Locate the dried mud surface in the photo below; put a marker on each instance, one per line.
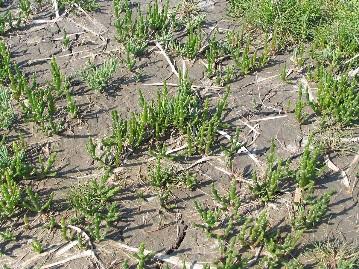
(257, 102)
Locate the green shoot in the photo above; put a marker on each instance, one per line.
(97, 78)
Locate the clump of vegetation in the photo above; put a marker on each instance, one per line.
(184, 112)
(310, 166)
(142, 257)
(98, 77)
(136, 32)
(95, 205)
(37, 102)
(39, 106)
(336, 41)
(288, 20)
(164, 180)
(337, 98)
(232, 148)
(88, 5)
(299, 106)
(268, 186)
(335, 253)
(311, 212)
(191, 45)
(7, 113)
(15, 167)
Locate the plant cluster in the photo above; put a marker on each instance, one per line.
(14, 167)
(88, 5)
(164, 180)
(269, 185)
(337, 98)
(38, 103)
(7, 113)
(94, 204)
(330, 31)
(184, 112)
(237, 233)
(242, 54)
(97, 78)
(8, 21)
(289, 20)
(136, 32)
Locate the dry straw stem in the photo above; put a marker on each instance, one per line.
(344, 178)
(84, 254)
(53, 252)
(243, 149)
(56, 7)
(176, 85)
(170, 151)
(173, 68)
(269, 118)
(59, 251)
(171, 259)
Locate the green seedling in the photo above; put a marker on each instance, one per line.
(11, 197)
(161, 178)
(37, 246)
(192, 44)
(254, 230)
(25, 8)
(130, 59)
(33, 202)
(72, 108)
(234, 40)
(311, 212)
(87, 5)
(97, 78)
(5, 63)
(94, 203)
(64, 230)
(7, 113)
(298, 55)
(299, 106)
(26, 222)
(125, 265)
(267, 187)
(39, 107)
(210, 217)
(52, 224)
(142, 257)
(189, 180)
(156, 17)
(309, 167)
(120, 6)
(80, 241)
(6, 22)
(244, 60)
(7, 236)
(13, 161)
(226, 212)
(279, 247)
(233, 147)
(211, 55)
(226, 76)
(66, 42)
(284, 73)
(58, 80)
